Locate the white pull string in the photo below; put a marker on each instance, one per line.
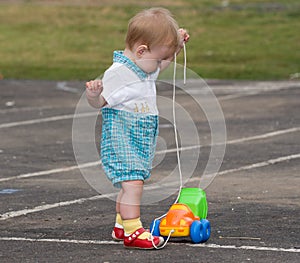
(175, 127)
(170, 233)
(176, 143)
(184, 65)
(174, 116)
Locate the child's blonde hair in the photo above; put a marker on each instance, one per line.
(153, 27)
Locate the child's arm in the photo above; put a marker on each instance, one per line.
(94, 89)
(184, 38)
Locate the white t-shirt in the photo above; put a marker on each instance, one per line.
(123, 89)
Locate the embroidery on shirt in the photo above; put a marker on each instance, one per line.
(144, 108)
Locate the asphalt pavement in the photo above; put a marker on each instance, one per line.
(50, 213)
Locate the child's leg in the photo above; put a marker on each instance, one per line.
(118, 215)
(130, 205)
(118, 201)
(118, 231)
(135, 234)
(130, 199)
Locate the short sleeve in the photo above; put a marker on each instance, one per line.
(112, 87)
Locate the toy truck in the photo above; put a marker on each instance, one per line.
(185, 218)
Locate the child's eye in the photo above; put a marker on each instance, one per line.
(166, 58)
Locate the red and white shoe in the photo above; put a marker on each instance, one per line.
(118, 234)
(133, 241)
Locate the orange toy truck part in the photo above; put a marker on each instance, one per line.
(179, 219)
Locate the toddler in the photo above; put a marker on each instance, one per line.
(127, 98)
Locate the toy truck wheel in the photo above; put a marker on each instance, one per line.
(206, 229)
(154, 228)
(196, 231)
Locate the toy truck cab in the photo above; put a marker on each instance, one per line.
(178, 219)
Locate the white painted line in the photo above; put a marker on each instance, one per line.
(275, 249)
(254, 166)
(56, 118)
(52, 171)
(55, 240)
(166, 125)
(23, 212)
(63, 86)
(241, 140)
(261, 86)
(236, 96)
(240, 89)
(22, 109)
(18, 213)
(265, 135)
(103, 242)
(66, 169)
(261, 164)
(48, 119)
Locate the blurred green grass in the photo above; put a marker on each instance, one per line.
(69, 40)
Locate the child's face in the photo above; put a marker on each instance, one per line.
(150, 61)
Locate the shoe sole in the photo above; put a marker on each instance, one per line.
(118, 240)
(115, 238)
(147, 248)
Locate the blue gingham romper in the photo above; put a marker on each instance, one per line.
(127, 144)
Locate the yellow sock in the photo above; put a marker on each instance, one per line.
(119, 221)
(132, 225)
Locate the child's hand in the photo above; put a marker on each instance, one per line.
(184, 37)
(94, 88)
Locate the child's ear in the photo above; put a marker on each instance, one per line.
(140, 50)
